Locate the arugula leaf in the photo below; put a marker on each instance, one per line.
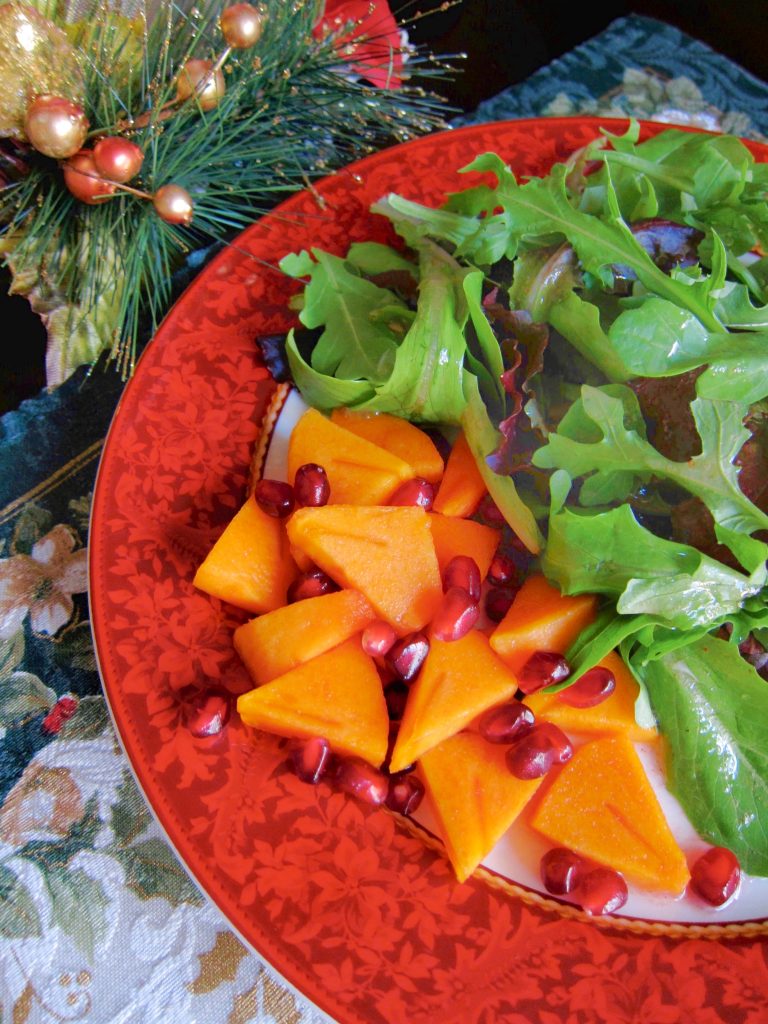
(611, 553)
(713, 710)
(321, 390)
(711, 475)
(354, 344)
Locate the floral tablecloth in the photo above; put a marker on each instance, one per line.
(98, 920)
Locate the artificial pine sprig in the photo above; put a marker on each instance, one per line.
(293, 107)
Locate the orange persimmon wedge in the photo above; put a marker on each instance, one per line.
(474, 796)
(541, 619)
(454, 536)
(277, 642)
(602, 805)
(337, 695)
(616, 714)
(249, 565)
(359, 472)
(385, 552)
(458, 681)
(462, 486)
(397, 436)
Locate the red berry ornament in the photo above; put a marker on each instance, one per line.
(117, 159)
(83, 180)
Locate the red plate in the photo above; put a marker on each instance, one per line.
(349, 904)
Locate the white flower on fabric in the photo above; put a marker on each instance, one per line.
(42, 583)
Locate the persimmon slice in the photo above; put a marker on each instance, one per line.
(474, 796)
(359, 472)
(462, 486)
(277, 642)
(616, 714)
(458, 681)
(541, 619)
(249, 565)
(396, 435)
(454, 536)
(602, 806)
(384, 552)
(337, 695)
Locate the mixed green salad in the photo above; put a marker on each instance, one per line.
(601, 336)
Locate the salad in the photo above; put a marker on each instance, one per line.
(599, 335)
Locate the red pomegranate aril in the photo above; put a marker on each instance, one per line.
(543, 668)
(275, 497)
(506, 722)
(601, 891)
(405, 793)
(378, 638)
(497, 603)
(362, 781)
(311, 486)
(310, 584)
(456, 616)
(396, 696)
(407, 656)
(207, 714)
(503, 572)
(463, 571)
(715, 876)
(592, 689)
(561, 870)
(538, 750)
(418, 492)
(310, 759)
(490, 512)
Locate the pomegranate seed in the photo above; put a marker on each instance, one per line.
(715, 876)
(310, 584)
(601, 891)
(490, 512)
(275, 497)
(407, 656)
(396, 696)
(310, 759)
(405, 793)
(592, 689)
(378, 638)
(543, 668)
(418, 492)
(503, 571)
(505, 723)
(498, 603)
(561, 870)
(462, 571)
(361, 780)
(456, 615)
(537, 750)
(311, 485)
(207, 714)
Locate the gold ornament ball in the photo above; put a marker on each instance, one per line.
(197, 78)
(36, 58)
(83, 181)
(173, 204)
(55, 126)
(241, 26)
(117, 159)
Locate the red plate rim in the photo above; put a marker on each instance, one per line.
(130, 726)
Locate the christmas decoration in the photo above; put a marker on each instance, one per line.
(36, 58)
(131, 143)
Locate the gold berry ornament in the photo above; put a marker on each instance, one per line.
(55, 126)
(200, 79)
(117, 158)
(241, 26)
(173, 204)
(83, 181)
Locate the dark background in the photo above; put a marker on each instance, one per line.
(505, 41)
